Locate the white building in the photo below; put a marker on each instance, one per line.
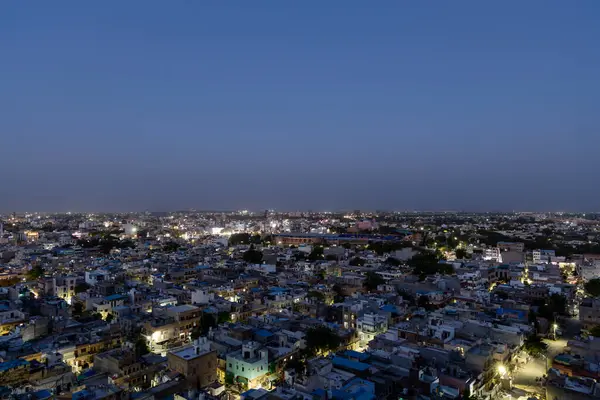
(369, 326)
(249, 365)
(590, 271)
(202, 296)
(92, 278)
(492, 254)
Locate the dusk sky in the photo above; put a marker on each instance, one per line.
(322, 105)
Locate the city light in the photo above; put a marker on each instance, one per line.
(502, 370)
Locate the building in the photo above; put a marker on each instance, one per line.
(128, 371)
(94, 277)
(202, 296)
(14, 372)
(370, 325)
(198, 363)
(248, 366)
(493, 254)
(511, 246)
(589, 312)
(173, 329)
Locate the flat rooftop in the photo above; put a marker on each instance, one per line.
(189, 353)
(182, 308)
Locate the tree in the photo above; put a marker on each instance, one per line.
(592, 287)
(297, 364)
(373, 280)
(77, 308)
(81, 287)
(141, 347)
(534, 346)
(170, 247)
(423, 302)
(316, 253)
(253, 256)
(339, 294)
(239, 238)
(207, 321)
(595, 331)
(321, 338)
(532, 318)
(392, 261)
(320, 275)
(35, 272)
(109, 318)
(461, 254)
(501, 294)
(409, 298)
(222, 318)
(357, 262)
(554, 305)
(314, 294)
(428, 263)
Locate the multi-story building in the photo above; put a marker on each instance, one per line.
(198, 363)
(369, 326)
(9, 319)
(94, 277)
(493, 254)
(173, 329)
(511, 246)
(589, 312)
(248, 366)
(14, 372)
(126, 371)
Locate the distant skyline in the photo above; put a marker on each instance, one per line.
(338, 105)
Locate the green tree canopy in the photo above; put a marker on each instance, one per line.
(357, 262)
(428, 263)
(170, 247)
(321, 338)
(461, 254)
(81, 287)
(35, 272)
(314, 294)
(253, 256)
(373, 280)
(239, 238)
(141, 347)
(339, 296)
(552, 306)
(393, 261)
(595, 331)
(592, 287)
(316, 253)
(534, 346)
(77, 308)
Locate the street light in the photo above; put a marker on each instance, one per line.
(502, 370)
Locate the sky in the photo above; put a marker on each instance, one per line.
(295, 105)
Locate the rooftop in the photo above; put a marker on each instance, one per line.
(189, 353)
(183, 308)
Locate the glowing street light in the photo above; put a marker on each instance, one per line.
(502, 370)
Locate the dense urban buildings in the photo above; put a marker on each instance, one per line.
(299, 305)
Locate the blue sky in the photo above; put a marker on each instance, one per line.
(159, 105)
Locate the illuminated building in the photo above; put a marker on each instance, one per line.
(198, 363)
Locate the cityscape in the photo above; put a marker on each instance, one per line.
(299, 305)
(299, 200)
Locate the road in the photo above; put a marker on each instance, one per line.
(524, 378)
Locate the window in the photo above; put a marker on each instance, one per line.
(230, 366)
(242, 369)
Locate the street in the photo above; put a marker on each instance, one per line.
(525, 377)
